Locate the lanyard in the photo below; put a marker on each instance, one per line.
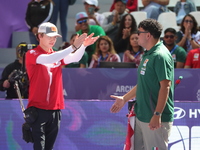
(173, 49)
(137, 54)
(102, 58)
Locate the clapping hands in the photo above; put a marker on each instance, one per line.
(85, 40)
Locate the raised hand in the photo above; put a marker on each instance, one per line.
(89, 40)
(79, 40)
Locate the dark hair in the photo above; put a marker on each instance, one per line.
(129, 47)
(195, 25)
(122, 25)
(171, 30)
(152, 26)
(73, 35)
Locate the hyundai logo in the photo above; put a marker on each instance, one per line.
(179, 113)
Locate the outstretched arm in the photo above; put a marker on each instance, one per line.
(121, 100)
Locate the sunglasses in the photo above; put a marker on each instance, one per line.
(169, 36)
(188, 21)
(138, 32)
(82, 21)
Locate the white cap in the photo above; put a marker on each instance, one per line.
(92, 2)
(49, 29)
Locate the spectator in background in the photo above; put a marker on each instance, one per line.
(82, 21)
(155, 7)
(104, 52)
(182, 8)
(91, 8)
(131, 5)
(177, 52)
(38, 11)
(193, 59)
(83, 62)
(9, 73)
(188, 36)
(126, 27)
(61, 8)
(134, 51)
(111, 23)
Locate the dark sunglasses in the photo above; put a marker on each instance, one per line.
(188, 21)
(169, 36)
(82, 21)
(138, 32)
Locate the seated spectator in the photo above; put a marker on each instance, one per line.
(131, 5)
(188, 36)
(134, 51)
(104, 52)
(155, 7)
(37, 12)
(91, 8)
(111, 23)
(182, 8)
(11, 73)
(126, 27)
(83, 62)
(193, 59)
(177, 52)
(82, 20)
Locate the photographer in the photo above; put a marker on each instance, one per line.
(13, 72)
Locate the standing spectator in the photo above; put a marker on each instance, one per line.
(131, 5)
(38, 11)
(134, 51)
(61, 9)
(177, 52)
(9, 74)
(193, 59)
(91, 8)
(44, 69)
(104, 52)
(188, 36)
(82, 20)
(83, 63)
(127, 25)
(154, 107)
(182, 8)
(155, 7)
(111, 23)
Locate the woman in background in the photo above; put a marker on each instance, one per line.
(134, 52)
(127, 25)
(188, 36)
(104, 52)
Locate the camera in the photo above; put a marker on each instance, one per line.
(23, 48)
(22, 79)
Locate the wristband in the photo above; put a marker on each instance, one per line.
(75, 48)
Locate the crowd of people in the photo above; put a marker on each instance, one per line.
(119, 26)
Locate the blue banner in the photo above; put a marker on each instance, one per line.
(88, 125)
(100, 83)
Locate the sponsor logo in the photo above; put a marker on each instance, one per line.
(179, 113)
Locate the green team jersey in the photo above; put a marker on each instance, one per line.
(156, 65)
(178, 54)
